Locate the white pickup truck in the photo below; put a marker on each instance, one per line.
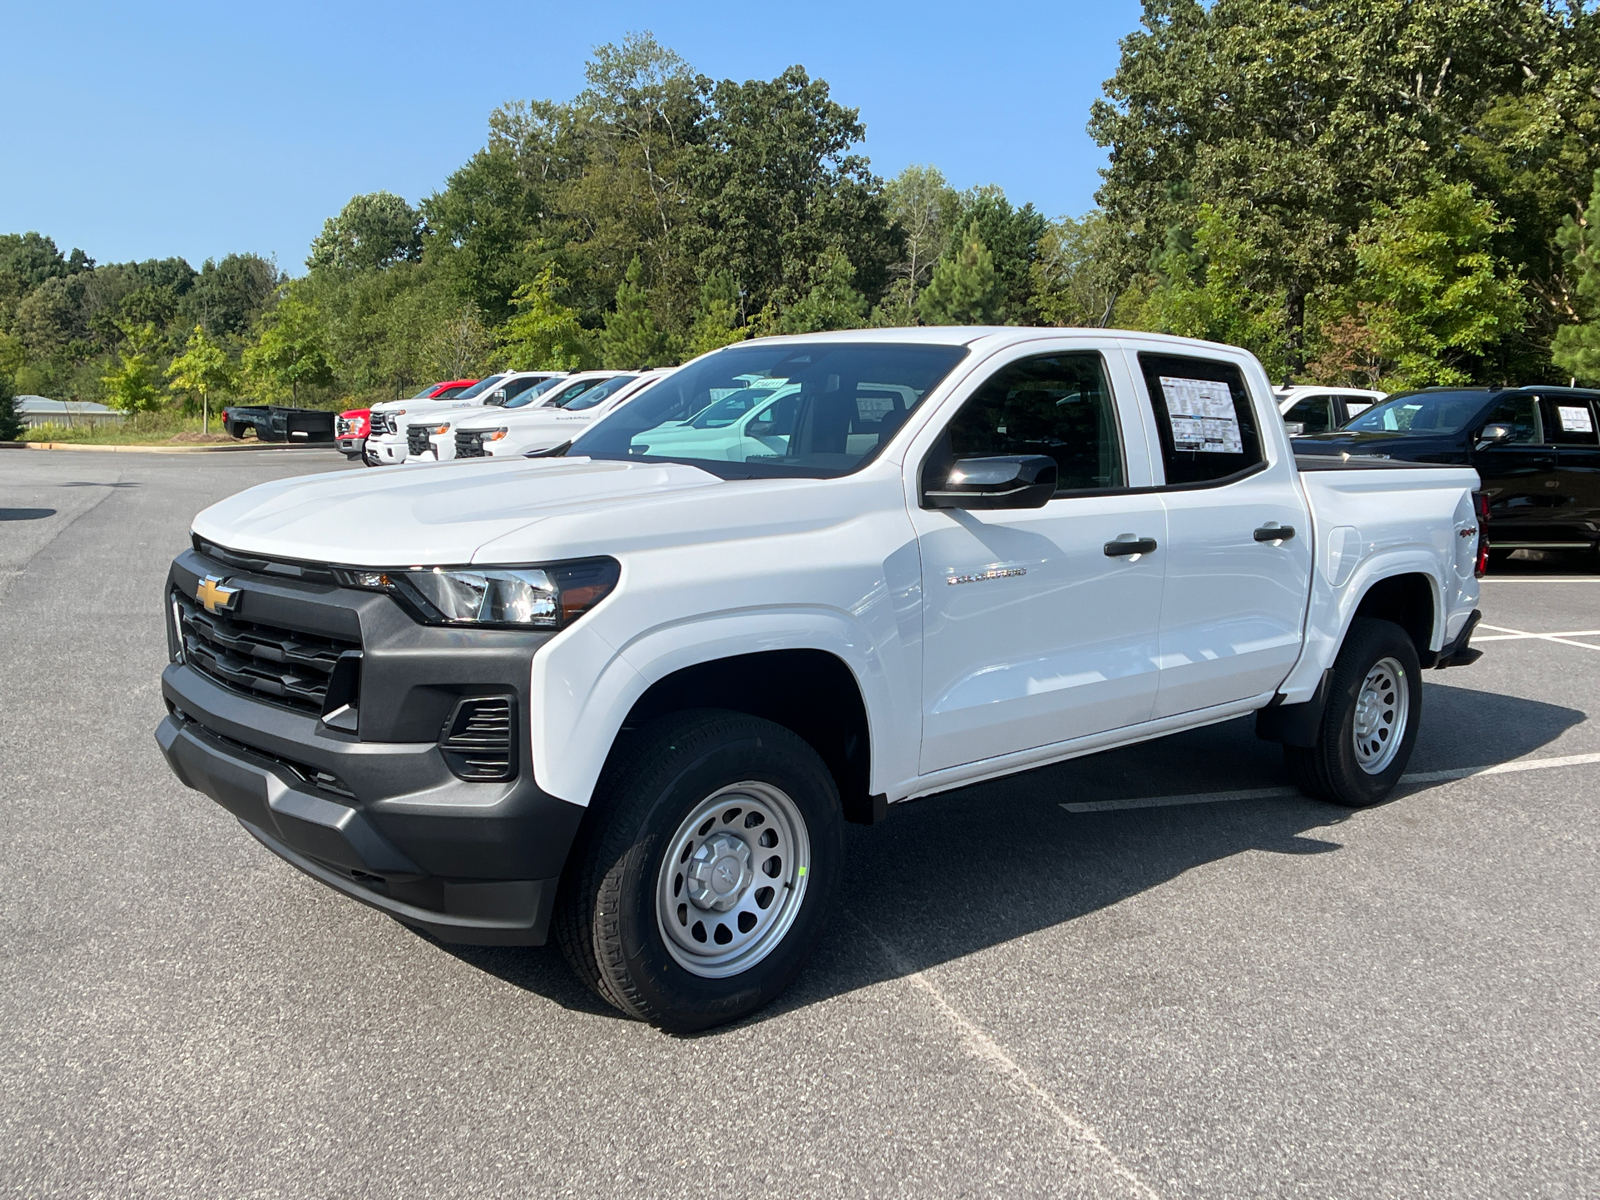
(629, 695)
(562, 415)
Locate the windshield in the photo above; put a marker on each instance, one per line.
(1420, 412)
(425, 392)
(835, 405)
(566, 395)
(595, 395)
(478, 388)
(531, 394)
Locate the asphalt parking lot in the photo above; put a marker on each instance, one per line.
(1099, 979)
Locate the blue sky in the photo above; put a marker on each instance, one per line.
(139, 131)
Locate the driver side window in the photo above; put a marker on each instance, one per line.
(1057, 405)
(1522, 414)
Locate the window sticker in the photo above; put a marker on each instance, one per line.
(1202, 415)
(1575, 420)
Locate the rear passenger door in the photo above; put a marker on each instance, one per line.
(1573, 423)
(1233, 609)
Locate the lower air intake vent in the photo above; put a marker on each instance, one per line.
(477, 740)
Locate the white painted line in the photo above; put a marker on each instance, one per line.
(981, 1046)
(1561, 639)
(1542, 579)
(1512, 637)
(1507, 768)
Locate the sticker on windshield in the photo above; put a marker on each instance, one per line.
(1202, 416)
(1575, 420)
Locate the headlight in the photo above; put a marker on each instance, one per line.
(445, 428)
(494, 435)
(547, 596)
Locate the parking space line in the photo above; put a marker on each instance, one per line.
(983, 1047)
(1504, 633)
(1542, 579)
(1506, 768)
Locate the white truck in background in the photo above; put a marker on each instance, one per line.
(391, 438)
(628, 694)
(561, 418)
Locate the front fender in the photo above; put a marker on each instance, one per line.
(583, 687)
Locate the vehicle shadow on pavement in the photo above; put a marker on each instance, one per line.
(960, 872)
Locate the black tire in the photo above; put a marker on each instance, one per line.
(236, 431)
(1332, 770)
(606, 918)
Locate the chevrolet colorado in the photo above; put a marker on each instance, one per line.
(627, 695)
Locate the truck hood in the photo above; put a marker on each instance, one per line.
(429, 515)
(493, 417)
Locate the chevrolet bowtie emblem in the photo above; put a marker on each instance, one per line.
(215, 595)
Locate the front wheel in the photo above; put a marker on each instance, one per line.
(1370, 724)
(705, 872)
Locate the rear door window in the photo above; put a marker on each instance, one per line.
(1204, 417)
(1570, 421)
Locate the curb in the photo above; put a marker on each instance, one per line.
(179, 449)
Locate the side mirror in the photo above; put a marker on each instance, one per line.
(1294, 428)
(1493, 435)
(1004, 481)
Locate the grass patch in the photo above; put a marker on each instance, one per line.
(146, 431)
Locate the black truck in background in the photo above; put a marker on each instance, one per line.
(274, 423)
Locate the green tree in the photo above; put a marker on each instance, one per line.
(1011, 235)
(371, 232)
(131, 386)
(716, 323)
(203, 368)
(1074, 276)
(631, 337)
(1435, 295)
(965, 290)
(926, 210)
(832, 302)
(290, 350)
(10, 416)
(544, 334)
(1576, 349)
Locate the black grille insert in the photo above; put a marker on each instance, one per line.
(477, 740)
(284, 666)
(469, 444)
(417, 439)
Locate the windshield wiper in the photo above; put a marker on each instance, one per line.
(553, 452)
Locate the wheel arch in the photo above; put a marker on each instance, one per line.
(1409, 599)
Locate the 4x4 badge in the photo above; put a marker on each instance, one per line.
(215, 594)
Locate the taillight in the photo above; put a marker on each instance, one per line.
(1480, 505)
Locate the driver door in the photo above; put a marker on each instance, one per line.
(1033, 632)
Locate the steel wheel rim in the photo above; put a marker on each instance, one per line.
(1383, 705)
(732, 879)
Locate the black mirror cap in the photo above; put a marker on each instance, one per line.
(1002, 481)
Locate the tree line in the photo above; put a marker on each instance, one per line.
(1387, 192)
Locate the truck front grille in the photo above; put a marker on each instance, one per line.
(417, 439)
(283, 666)
(382, 423)
(469, 444)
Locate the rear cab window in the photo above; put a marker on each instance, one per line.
(1571, 421)
(1204, 418)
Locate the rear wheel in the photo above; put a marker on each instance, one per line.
(705, 871)
(1370, 723)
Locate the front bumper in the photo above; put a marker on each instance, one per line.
(353, 446)
(379, 813)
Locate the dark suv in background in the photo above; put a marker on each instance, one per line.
(1536, 449)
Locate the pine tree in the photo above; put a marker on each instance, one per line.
(632, 338)
(964, 290)
(544, 335)
(832, 302)
(717, 323)
(1576, 348)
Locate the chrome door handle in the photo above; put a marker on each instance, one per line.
(1128, 545)
(1274, 533)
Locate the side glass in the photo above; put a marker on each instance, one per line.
(1314, 414)
(1570, 421)
(1204, 417)
(1522, 414)
(1057, 405)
